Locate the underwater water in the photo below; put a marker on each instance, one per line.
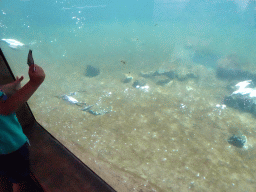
(158, 120)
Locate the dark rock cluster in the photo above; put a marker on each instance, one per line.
(92, 71)
(163, 76)
(237, 141)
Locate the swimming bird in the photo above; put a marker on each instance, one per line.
(14, 44)
(243, 89)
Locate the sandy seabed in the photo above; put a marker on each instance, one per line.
(166, 138)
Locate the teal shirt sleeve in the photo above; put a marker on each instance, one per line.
(3, 97)
(11, 133)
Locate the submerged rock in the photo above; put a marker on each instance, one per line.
(237, 141)
(243, 98)
(234, 74)
(162, 80)
(232, 67)
(148, 74)
(127, 78)
(139, 83)
(184, 73)
(167, 75)
(159, 72)
(92, 71)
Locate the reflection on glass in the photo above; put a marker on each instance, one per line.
(139, 91)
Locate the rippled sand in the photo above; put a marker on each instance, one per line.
(166, 138)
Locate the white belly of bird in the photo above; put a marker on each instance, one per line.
(13, 43)
(70, 99)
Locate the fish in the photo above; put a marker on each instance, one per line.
(14, 44)
(70, 99)
(100, 111)
(86, 108)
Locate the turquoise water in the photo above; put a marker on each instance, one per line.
(164, 137)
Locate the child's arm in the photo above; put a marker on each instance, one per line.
(10, 88)
(23, 94)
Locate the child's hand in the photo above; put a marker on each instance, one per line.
(10, 88)
(17, 84)
(36, 76)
